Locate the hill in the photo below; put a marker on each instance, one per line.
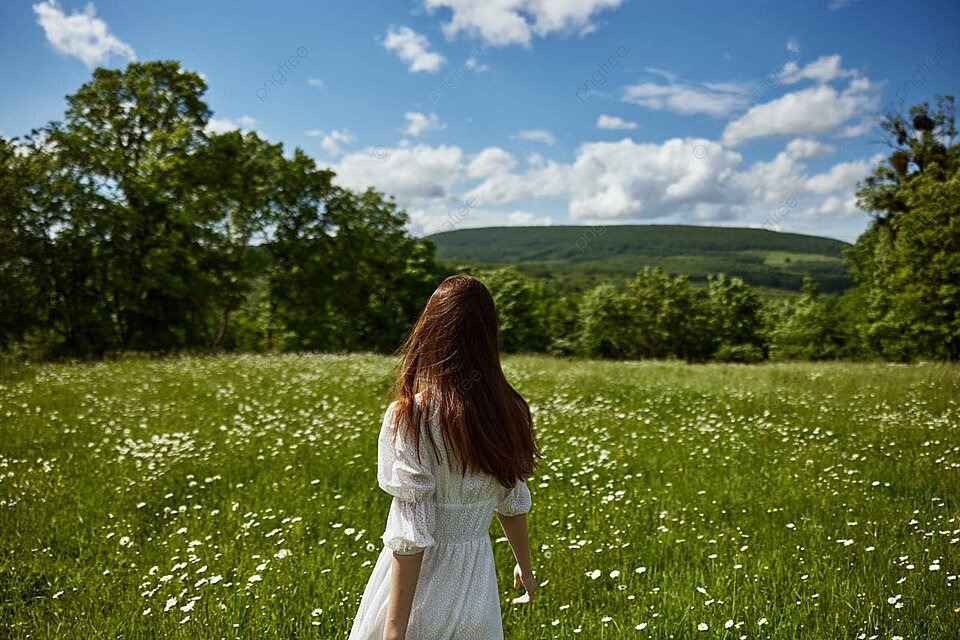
(582, 254)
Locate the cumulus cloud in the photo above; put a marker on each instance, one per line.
(332, 141)
(823, 69)
(811, 111)
(842, 177)
(506, 22)
(81, 35)
(418, 123)
(680, 180)
(489, 162)
(614, 123)
(408, 173)
(613, 180)
(624, 180)
(801, 148)
(414, 49)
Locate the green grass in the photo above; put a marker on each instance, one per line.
(138, 499)
(785, 258)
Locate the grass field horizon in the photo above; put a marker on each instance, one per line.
(235, 497)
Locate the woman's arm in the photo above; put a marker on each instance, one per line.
(404, 574)
(515, 528)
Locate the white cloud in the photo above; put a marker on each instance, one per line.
(332, 142)
(315, 82)
(836, 207)
(535, 135)
(222, 125)
(815, 110)
(715, 99)
(542, 180)
(82, 35)
(768, 183)
(669, 76)
(793, 46)
(418, 123)
(489, 162)
(802, 148)
(414, 49)
(823, 69)
(453, 216)
(681, 180)
(614, 123)
(505, 22)
(473, 63)
(842, 177)
(626, 180)
(410, 174)
(859, 128)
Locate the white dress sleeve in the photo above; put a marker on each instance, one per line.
(412, 518)
(513, 502)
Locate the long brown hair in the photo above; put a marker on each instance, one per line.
(452, 358)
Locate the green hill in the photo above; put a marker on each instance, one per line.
(582, 255)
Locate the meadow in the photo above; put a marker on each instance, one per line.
(235, 497)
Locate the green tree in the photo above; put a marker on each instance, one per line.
(655, 316)
(129, 244)
(127, 226)
(801, 328)
(606, 322)
(24, 296)
(237, 178)
(669, 317)
(908, 259)
(522, 310)
(344, 273)
(733, 309)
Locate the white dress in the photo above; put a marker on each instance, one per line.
(438, 510)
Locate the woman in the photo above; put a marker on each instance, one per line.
(454, 448)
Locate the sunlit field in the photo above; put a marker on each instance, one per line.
(236, 497)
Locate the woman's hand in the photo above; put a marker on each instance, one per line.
(529, 582)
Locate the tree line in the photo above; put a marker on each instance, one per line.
(128, 226)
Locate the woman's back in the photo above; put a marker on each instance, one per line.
(446, 514)
(453, 450)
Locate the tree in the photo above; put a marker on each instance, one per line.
(606, 323)
(128, 226)
(800, 327)
(522, 310)
(908, 259)
(23, 304)
(237, 177)
(655, 316)
(344, 273)
(669, 317)
(734, 319)
(129, 275)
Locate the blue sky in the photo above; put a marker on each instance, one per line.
(519, 112)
